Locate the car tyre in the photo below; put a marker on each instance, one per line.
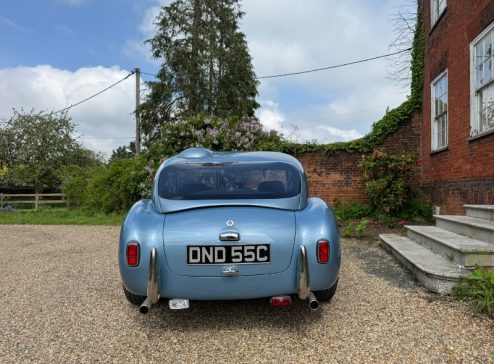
(133, 298)
(327, 294)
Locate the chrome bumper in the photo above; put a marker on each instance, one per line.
(152, 287)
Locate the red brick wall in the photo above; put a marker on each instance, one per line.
(338, 178)
(448, 175)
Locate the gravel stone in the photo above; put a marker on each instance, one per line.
(62, 302)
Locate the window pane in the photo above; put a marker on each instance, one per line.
(437, 8)
(487, 47)
(440, 112)
(442, 6)
(478, 65)
(487, 108)
(441, 95)
(228, 181)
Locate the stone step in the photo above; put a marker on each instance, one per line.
(475, 228)
(434, 271)
(485, 212)
(457, 248)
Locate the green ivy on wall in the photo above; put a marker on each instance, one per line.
(382, 128)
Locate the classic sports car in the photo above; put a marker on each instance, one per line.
(226, 226)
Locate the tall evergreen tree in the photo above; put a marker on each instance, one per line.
(206, 65)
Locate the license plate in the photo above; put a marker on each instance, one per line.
(228, 254)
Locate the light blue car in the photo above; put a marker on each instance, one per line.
(228, 226)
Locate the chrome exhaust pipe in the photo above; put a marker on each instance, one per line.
(152, 288)
(303, 274)
(304, 292)
(313, 302)
(146, 305)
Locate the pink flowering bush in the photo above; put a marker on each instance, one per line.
(387, 180)
(209, 132)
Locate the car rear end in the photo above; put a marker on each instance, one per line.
(233, 230)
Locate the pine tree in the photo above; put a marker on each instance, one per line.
(206, 69)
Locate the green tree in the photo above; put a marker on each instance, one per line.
(123, 152)
(206, 65)
(36, 147)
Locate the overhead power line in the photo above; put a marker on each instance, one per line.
(335, 66)
(149, 74)
(92, 96)
(317, 69)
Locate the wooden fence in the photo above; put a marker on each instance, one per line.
(34, 199)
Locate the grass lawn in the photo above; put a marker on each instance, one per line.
(60, 217)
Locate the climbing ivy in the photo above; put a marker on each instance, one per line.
(382, 128)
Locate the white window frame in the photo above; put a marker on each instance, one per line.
(434, 131)
(475, 127)
(436, 10)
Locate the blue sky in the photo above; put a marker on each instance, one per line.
(69, 34)
(56, 52)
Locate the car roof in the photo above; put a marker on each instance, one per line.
(202, 155)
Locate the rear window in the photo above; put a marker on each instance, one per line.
(213, 181)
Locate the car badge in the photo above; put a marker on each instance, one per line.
(230, 223)
(230, 270)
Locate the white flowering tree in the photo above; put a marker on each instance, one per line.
(210, 132)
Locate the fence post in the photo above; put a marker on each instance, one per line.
(1, 199)
(36, 200)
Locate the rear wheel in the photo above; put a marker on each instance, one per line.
(133, 298)
(327, 294)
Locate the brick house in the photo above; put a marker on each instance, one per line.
(458, 107)
(457, 146)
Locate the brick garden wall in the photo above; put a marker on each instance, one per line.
(451, 196)
(338, 178)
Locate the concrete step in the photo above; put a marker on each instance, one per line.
(485, 212)
(434, 271)
(457, 248)
(475, 228)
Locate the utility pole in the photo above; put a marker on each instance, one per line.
(138, 114)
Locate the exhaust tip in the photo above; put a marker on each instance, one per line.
(314, 305)
(146, 305)
(313, 302)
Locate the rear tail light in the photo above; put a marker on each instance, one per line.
(280, 301)
(132, 254)
(323, 251)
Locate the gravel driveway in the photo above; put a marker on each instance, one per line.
(61, 301)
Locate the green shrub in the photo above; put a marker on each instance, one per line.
(387, 180)
(479, 287)
(351, 211)
(112, 188)
(417, 207)
(355, 228)
(118, 186)
(74, 183)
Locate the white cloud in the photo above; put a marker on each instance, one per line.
(103, 123)
(270, 117)
(136, 48)
(340, 133)
(339, 104)
(148, 27)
